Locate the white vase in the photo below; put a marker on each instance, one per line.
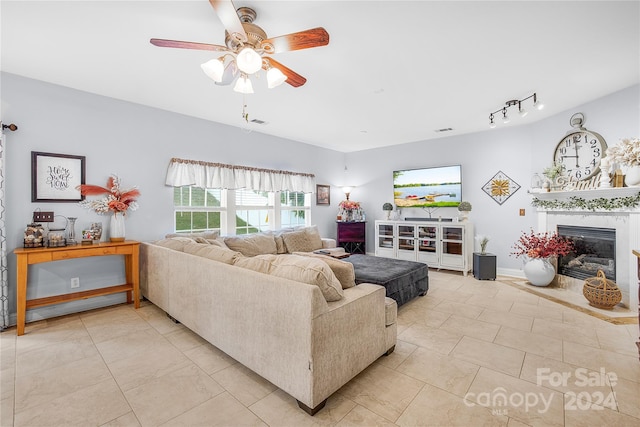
(116, 227)
(539, 271)
(632, 177)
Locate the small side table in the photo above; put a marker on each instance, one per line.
(351, 236)
(484, 266)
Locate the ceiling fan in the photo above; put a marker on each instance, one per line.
(249, 49)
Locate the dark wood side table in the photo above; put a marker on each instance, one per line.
(637, 254)
(351, 236)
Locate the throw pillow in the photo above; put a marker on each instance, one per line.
(343, 270)
(215, 253)
(301, 241)
(204, 235)
(175, 243)
(252, 244)
(297, 268)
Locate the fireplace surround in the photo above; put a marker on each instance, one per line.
(622, 223)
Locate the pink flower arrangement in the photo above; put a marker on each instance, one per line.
(117, 199)
(542, 245)
(349, 205)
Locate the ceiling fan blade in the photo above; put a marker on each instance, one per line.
(296, 41)
(293, 78)
(188, 45)
(227, 13)
(229, 75)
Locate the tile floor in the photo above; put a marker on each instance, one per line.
(470, 353)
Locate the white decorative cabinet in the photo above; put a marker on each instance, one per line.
(447, 245)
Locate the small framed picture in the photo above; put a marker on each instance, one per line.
(323, 194)
(54, 177)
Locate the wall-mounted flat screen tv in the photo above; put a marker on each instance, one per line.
(428, 187)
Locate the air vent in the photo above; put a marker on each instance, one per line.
(258, 122)
(444, 130)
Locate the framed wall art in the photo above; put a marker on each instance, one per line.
(500, 187)
(54, 177)
(323, 194)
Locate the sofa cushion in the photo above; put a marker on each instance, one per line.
(175, 243)
(194, 236)
(252, 244)
(301, 241)
(213, 252)
(298, 268)
(344, 271)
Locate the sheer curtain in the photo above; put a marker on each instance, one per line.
(217, 175)
(4, 292)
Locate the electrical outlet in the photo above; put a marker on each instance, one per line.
(39, 216)
(75, 282)
(521, 212)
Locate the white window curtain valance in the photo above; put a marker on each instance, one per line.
(183, 172)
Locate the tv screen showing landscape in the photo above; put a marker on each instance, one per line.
(428, 187)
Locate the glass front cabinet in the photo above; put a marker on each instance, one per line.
(438, 244)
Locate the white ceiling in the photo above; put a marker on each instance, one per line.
(393, 72)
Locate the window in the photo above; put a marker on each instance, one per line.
(294, 208)
(252, 211)
(238, 211)
(197, 209)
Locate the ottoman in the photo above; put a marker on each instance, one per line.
(404, 280)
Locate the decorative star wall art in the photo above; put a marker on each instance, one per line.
(500, 187)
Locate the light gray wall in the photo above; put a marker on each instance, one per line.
(519, 152)
(137, 142)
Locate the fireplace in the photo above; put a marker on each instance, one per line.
(615, 232)
(595, 249)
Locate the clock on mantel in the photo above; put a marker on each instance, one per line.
(580, 151)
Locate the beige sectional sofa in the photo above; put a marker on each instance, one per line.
(285, 316)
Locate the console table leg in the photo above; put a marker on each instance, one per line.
(21, 296)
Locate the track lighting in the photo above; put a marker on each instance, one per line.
(505, 118)
(537, 104)
(521, 111)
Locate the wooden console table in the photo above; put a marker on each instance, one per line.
(637, 254)
(26, 257)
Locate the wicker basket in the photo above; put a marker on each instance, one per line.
(601, 292)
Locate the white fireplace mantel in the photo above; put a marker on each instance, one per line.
(626, 222)
(607, 193)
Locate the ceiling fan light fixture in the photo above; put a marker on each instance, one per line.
(249, 61)
(243, 85)
(214, 68)
(275, 78)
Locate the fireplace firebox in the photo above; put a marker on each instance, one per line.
(595, 249)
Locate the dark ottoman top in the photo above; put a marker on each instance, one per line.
(404, 280)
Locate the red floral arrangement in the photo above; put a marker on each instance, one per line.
(542, 245)
(117, 199)
(349, 205)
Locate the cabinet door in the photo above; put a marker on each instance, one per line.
(384, 240)
(428, 244)
(407, 242)
(452, 246)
